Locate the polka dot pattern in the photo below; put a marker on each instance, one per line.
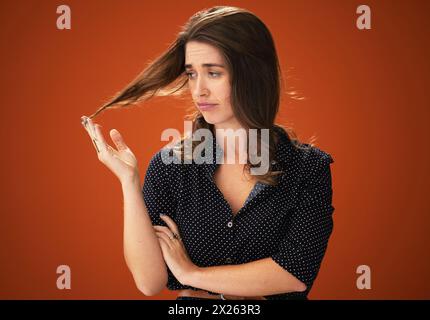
(290, 222)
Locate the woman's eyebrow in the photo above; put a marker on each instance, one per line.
(207, 65)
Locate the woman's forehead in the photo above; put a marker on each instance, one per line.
(200, 54)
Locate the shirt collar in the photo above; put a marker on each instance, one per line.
(283, 153)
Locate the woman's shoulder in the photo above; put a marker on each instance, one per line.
(307, 155)
(314, 162)
(311, 155)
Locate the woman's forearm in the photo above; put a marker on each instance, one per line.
(142, 250)
(257, 278)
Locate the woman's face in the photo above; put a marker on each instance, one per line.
(209, 83)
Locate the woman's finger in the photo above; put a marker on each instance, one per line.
(118, 140)
(89, 126)
(84, 121)
(170, 223)
(164, 237)
(100, 141)
(99, 137)
(168, 233)
(164, 230)
(161, 228)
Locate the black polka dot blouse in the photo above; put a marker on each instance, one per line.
(290, 222)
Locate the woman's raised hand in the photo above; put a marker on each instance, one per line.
(122, 161)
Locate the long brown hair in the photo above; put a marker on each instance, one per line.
(249, 52)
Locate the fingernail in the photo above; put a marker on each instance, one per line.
(84, 121)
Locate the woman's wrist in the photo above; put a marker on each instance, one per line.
(131, 181)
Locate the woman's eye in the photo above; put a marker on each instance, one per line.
(190, 74)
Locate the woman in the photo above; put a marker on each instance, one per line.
(222, 232)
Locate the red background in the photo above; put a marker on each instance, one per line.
(365, 98)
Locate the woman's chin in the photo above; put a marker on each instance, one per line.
(211, 120)
(219, 119)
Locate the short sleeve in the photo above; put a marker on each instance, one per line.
(157, 193)
(310, 225)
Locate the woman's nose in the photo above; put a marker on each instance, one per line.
(201, 88)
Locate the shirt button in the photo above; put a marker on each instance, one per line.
(230, 224)
(228, 260)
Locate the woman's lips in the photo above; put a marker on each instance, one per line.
(206, 106)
